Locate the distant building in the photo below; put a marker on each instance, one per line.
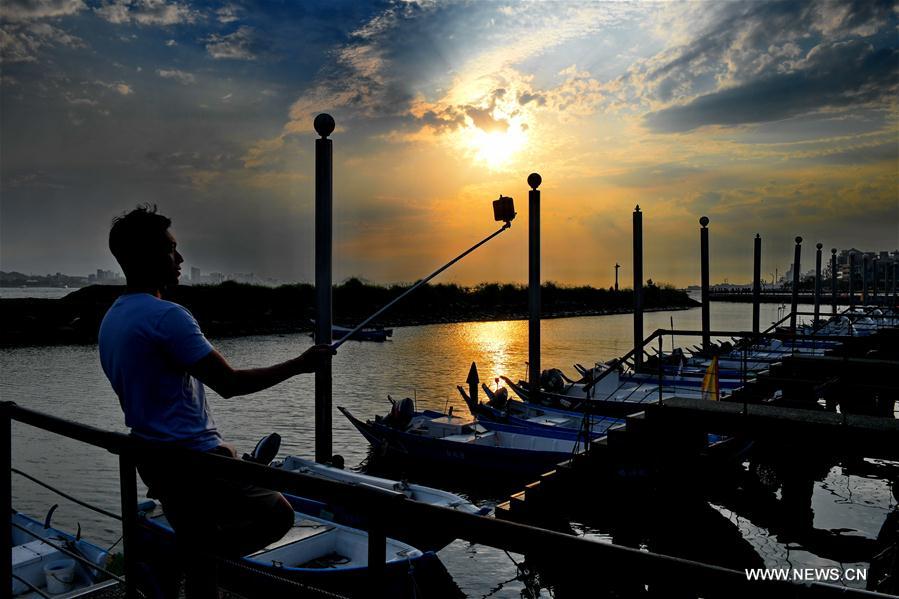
(195, 275)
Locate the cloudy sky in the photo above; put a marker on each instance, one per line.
(778, 118)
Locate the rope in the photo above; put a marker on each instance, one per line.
(67, 496)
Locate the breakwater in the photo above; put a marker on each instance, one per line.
(233, 310)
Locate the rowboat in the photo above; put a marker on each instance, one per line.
(54, 561)
(433, 439)
(317, 553)
(418, 538)
(499, 407)
(373, 333)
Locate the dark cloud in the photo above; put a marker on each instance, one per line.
(834, 75)
(767, 61)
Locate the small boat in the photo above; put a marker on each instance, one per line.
(418, 538)
(316, 552)
(499, 407)
(43, 557)
(434, 439)
(373, 333)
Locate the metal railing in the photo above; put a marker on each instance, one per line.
(383, 509)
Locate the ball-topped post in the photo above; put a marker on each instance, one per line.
(638, 286)
(324, 188)
(704, 283)
(794, 304)
(818, 247)
(833, 280)
(534, 181)
(756, 282)
(324, 124)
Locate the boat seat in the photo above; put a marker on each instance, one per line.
(302, 529)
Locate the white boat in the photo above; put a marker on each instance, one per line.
(317, 552)
(413, 491)
(38, 559)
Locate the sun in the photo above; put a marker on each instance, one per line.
(496, 149)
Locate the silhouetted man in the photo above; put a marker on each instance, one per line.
(158, 360)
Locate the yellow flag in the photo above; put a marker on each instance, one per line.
(710, 381)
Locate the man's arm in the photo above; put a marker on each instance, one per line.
(215, 372)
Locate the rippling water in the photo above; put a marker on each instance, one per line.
(426, 362)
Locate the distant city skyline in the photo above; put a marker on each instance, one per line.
(769, 117)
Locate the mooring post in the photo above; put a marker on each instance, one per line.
(324, 189)
(6, 492)
(704, 282)
(794, 303)
(473, 380)
(756, 282)
(534, 181)
(833, 280)
(128, 494)
(865, 280)
(874, 263)
(638, 288)
(817, 283)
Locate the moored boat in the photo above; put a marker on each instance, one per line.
(419, 538)
(316, 553)
(433, 439)
(53, 561)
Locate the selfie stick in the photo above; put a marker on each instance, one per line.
(504, 211)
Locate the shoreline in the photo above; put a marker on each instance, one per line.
(231, 311)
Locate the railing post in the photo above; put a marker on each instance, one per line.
(6, 493)
(833, 280)
(534, 181)
(794, 303)
(756, 282)
(704, 282)
(128, 491)
(638, 288)
(817, 283)
(324, 172)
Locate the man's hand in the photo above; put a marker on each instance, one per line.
(314, 357)
(215, 372)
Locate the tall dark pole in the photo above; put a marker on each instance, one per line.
(704, 265)
(833, 280)
(638, 287)
(794, 304)
(324, 177)
(817, 283)
(617, 266)
(756, 281)
(865, 280)
(874, 264)
(894, 281)
(534, 181)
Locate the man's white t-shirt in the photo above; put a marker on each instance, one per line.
(146, 346)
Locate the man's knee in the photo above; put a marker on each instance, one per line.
(282, 517)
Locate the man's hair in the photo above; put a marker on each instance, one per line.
(134, 235)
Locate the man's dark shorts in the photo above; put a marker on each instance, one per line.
(231, 518)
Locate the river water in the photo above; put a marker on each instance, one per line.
(426, 362)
